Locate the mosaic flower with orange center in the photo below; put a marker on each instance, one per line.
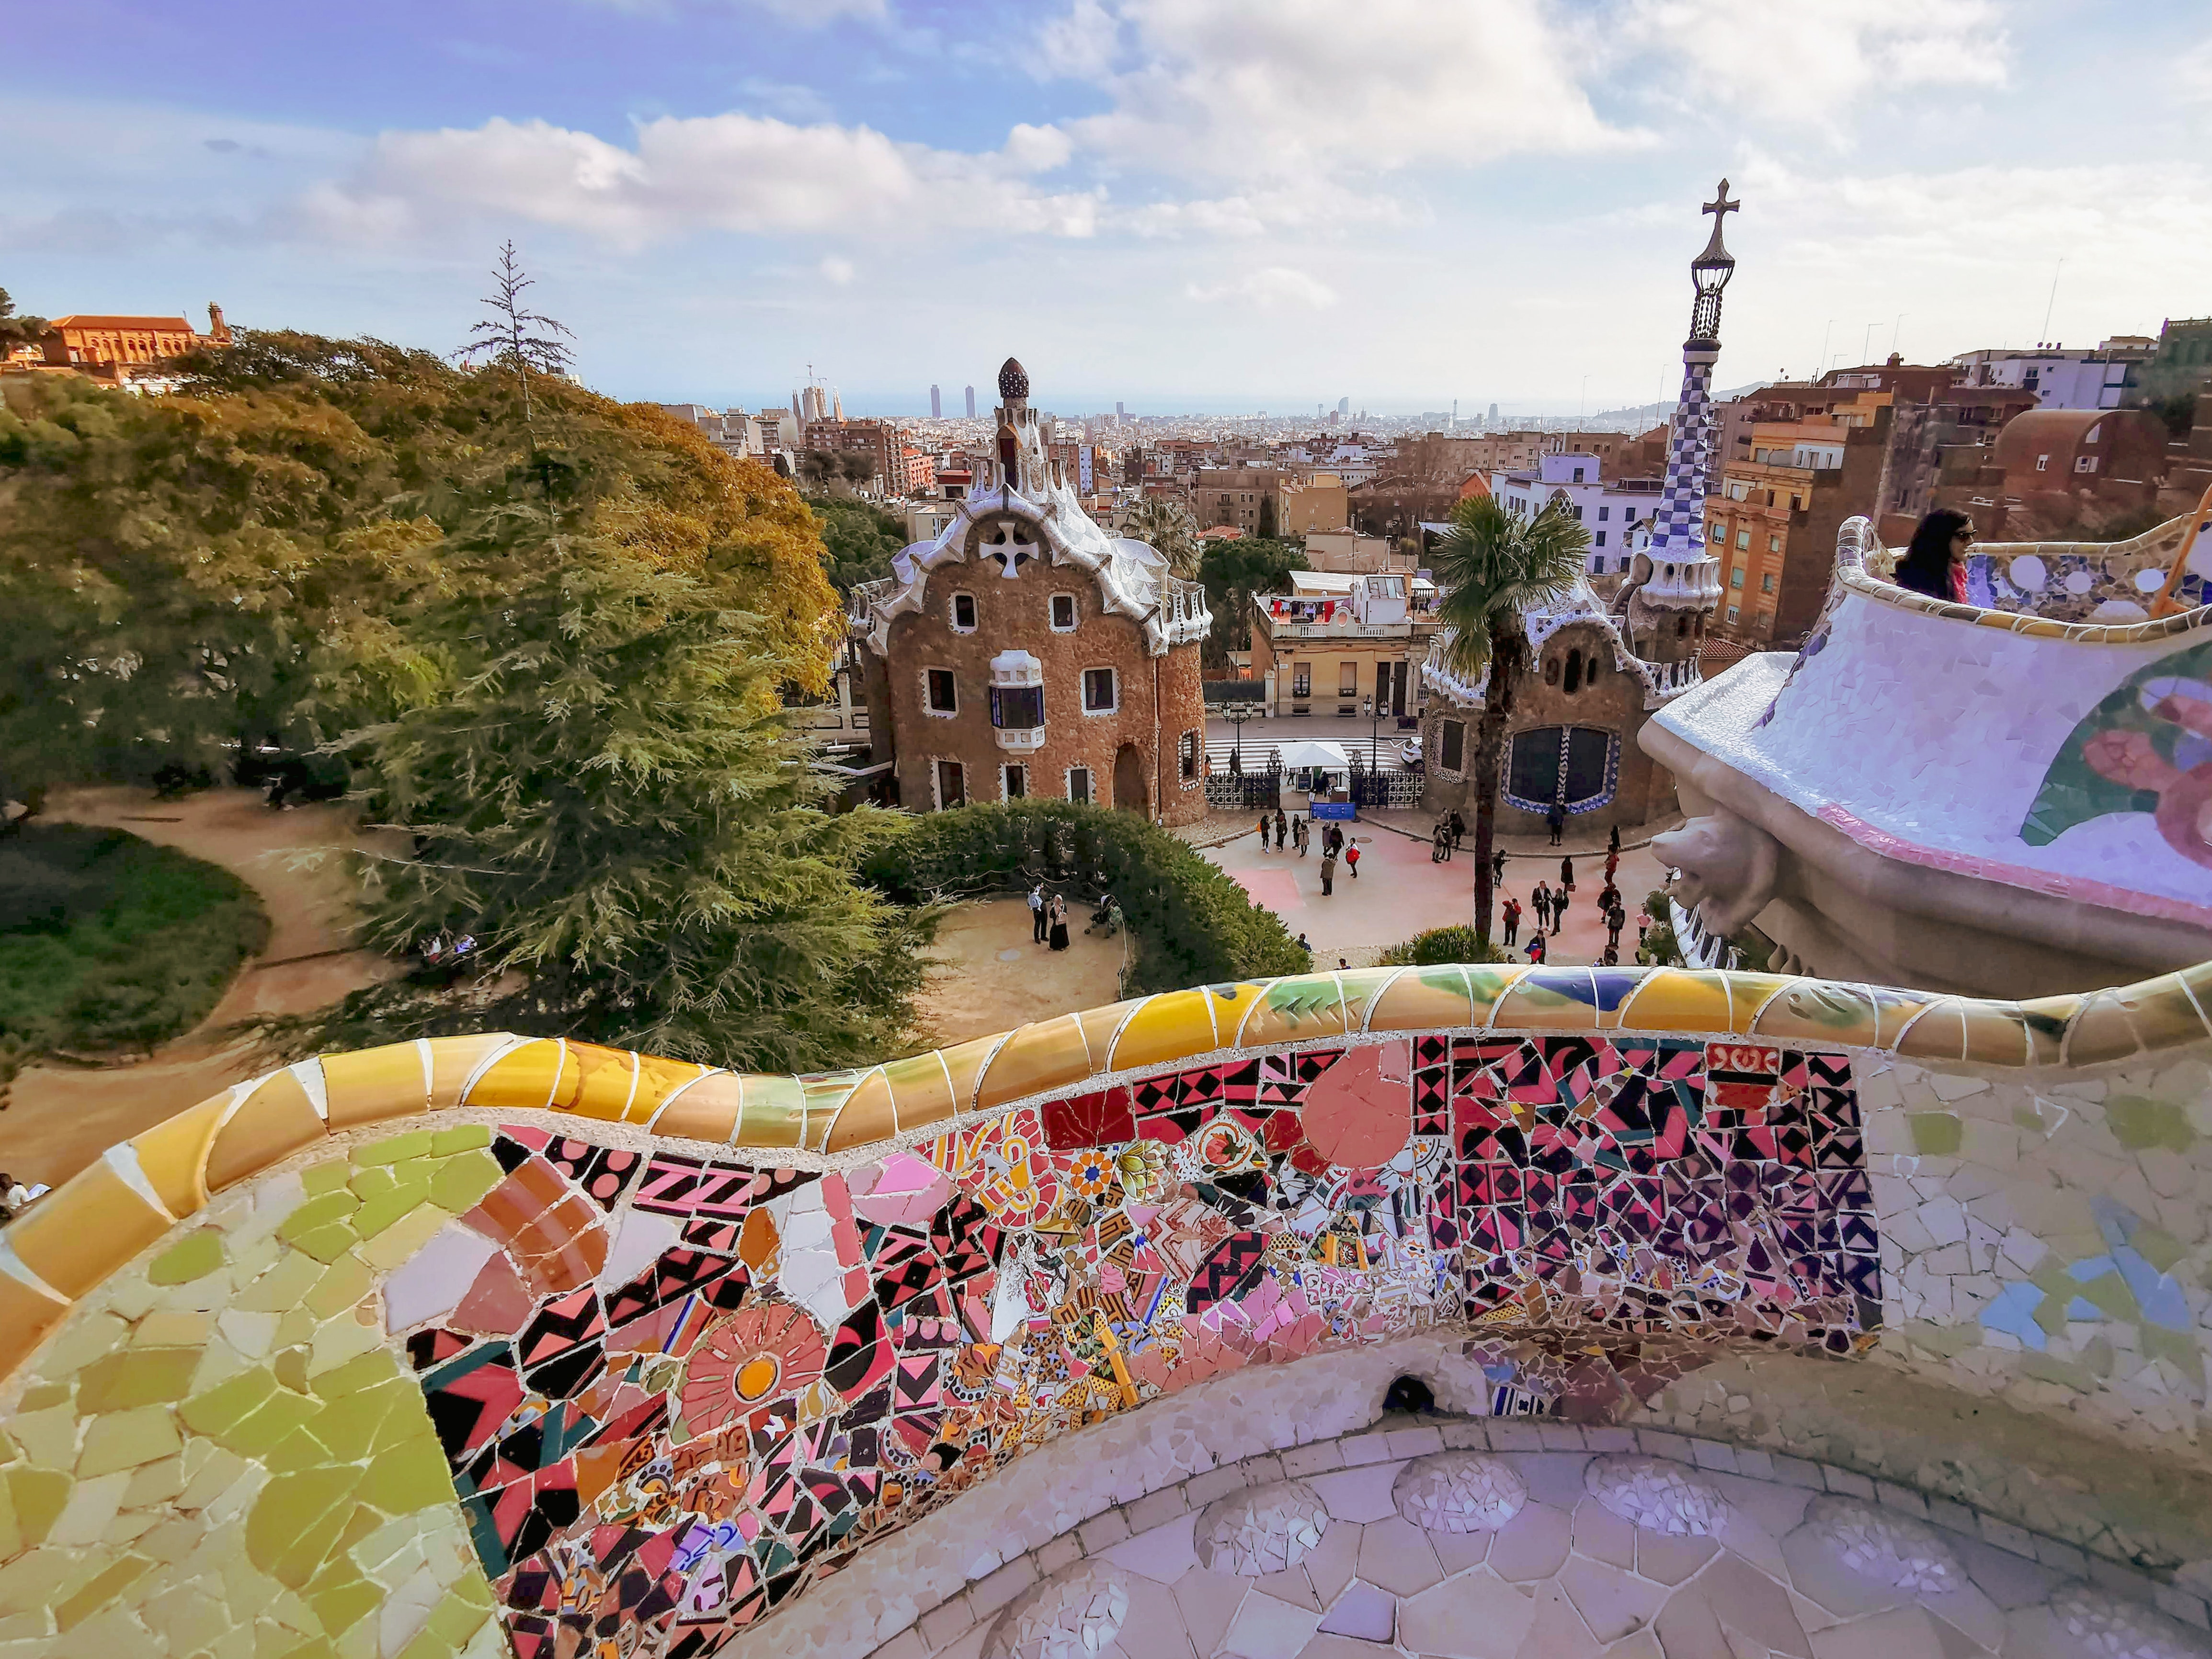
(1142, 1166)
(765, 1352)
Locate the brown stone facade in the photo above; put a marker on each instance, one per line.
(1134, 756)
(1643, 790)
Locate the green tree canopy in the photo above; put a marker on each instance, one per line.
(861, 540)
(1233, 571)
(183, 570)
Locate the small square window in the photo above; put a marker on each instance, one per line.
(1302, 680)
(1347, 679)
(964, 613)
(1063, 612)
(1098, 691)
(1774, 544)
(1603, 513)
(1017, 782)
(1766, 583)
(1078, 783)
(1735, 576)
(951, 784)
(1743, 538)
(943, 696)
(1732, 611)
(1190, 754)
(1600, 542)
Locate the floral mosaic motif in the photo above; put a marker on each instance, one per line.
(2147, 747)
(1893, 1550)
(1657, 1495)
(672, 1393)
(1074, 1614)
(1459, 1492)
(1269, 1529)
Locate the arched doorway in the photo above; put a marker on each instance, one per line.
(1129, 793)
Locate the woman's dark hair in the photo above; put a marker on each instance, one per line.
(1925, 567)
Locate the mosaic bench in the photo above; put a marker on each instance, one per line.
(490, 1344)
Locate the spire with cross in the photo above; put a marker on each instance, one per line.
(1677, 527)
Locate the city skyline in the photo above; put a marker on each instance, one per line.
(714, 194)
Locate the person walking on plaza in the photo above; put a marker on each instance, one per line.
(1497, 867)
(1559, 901)
(1058, 923)
(1615, 920)
(1567, 874)
(1556, 821)
(1612, 859)
(1541, 899)
(1351, 860)
(1328, 874)
(1510, 914)
(1535, 949)
(1301, 833)
(1440, 843)
(1263, 832)
(1458, 827)
(1613, 840)
(1036, 914)
(1282, 829)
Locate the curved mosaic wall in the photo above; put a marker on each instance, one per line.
(608, 1349)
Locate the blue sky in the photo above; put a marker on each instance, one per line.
(1231, 204)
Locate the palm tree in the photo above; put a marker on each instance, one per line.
(1493, 568)
(1165, 526)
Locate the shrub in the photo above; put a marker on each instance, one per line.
(109, 942)
(1438, 946)
(1191, 923)
(1660, 949)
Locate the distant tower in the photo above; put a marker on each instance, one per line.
(1119, 414)
(1493, 414)
(798, 409)
(838, 405)
(218, 329)
(1343, 409)
(1455, 419)
(936, 405)
(971, 403)
(1679, 526)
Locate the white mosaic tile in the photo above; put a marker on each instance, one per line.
(1459, 1492)
(1268, 1529)
(1657, 1495)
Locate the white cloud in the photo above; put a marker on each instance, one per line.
(836, 271)
(732, 173)
(1805, 66)
(1276, 89)
(2191, 74)
(1269, 289)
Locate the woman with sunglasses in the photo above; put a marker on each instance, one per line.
(1935, 562)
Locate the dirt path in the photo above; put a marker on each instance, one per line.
(988, 975)
(61, 1118)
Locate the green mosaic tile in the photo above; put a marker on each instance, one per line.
(461, 1182)
(110, 1582)
(460, 1138)
(1935, 1134)
(2138, 1123)
(38, 1498)
(128, 1440)
(194, 1256)
(325, 1177)
(416, 1143)
(136, 1377)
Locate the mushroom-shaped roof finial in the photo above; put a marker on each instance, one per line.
(1014, 380)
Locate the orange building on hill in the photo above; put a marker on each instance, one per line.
(111, 348)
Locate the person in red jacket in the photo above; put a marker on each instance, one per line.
(1351, 860)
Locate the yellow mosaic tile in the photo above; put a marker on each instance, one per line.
(1812, 1012)
(174, 1154)
(657, 1079)
(1893, 1010)
(1361, 985)
(597, 1082)
(921, 1091)
(823, 1095)
(966, 1062)
(1940, 1033)
(270, 1124)
(1422, 999)
(1170, 1026)
(521, 1079)
(78, 1235)
(1749, 995)
(1995, 1034)
(2043, 1021)
(374, 1085)
(866, 1115)
(455, 1059)
(1045, 1056)
(26, 1315)
(705, 1110)
(2100, 1031)
(1678, 999)
(1101, 1026)
(2163, 1012)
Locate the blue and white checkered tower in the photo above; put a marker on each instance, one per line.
(1679, 530)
